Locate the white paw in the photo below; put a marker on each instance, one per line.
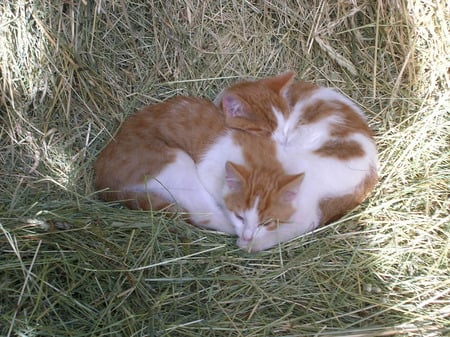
(221, 223)
(216, 221)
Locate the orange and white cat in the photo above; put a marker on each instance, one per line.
(180, 152)
(317, 131)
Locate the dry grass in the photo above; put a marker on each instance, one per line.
(73, 266)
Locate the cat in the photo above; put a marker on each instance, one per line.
(317, 131)
(181, 153)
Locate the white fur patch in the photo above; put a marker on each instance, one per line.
(251, 221)
(178, 182)
(285, 127)
(211, 168)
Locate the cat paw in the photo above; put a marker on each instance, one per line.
(216, 222)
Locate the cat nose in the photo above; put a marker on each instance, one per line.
(247, 235)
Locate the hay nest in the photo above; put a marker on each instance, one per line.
(71, 265)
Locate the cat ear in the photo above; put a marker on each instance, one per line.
(235, 176)
(290, 188)
(281, 83)
(233, 106)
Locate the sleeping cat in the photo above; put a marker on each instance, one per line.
(316, 131)
(180, 152)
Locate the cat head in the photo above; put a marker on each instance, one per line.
(252, 106)
(259, 200)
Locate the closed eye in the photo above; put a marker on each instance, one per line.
(272, 223)
(267, 222)
(239, 217)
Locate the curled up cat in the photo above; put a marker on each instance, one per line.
(321, 133)
(273, 160)
(181, 152)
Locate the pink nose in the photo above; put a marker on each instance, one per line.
(247, 235)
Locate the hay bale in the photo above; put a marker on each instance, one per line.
(70, 265)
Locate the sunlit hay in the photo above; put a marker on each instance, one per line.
(71, 265)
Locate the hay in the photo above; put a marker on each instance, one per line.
(73, 266)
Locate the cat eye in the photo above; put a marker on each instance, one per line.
(272, 223)
(266, 223)
(239, 217)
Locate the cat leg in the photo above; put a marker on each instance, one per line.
(179, 183)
